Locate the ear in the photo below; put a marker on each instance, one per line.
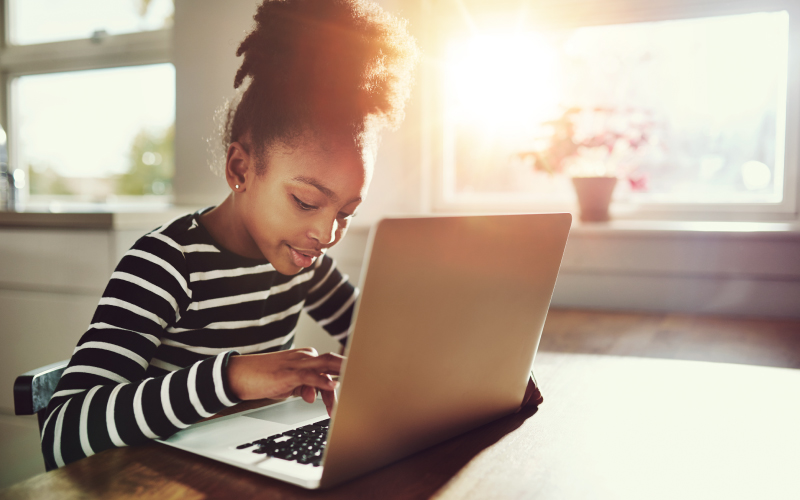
(239, 167)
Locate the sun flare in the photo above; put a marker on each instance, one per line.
(501, 81)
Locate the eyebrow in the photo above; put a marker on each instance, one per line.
(324, 190)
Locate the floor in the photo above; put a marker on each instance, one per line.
(673, 336)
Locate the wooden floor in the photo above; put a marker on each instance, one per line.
(762, 342)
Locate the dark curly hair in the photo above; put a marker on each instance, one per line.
(341, 66)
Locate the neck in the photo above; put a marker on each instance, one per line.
(227, 229)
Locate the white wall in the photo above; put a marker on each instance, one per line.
(673, 270)
(206, 35)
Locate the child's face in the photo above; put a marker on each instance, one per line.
(304, 200)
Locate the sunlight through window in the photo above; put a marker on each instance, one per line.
(112, 137)
(502, 82)
(685, 111)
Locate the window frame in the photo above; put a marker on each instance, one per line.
(100, 52)
(574, 13)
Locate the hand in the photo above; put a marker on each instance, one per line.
(532, 395)
(277, 375)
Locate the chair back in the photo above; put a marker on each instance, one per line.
(33, 390)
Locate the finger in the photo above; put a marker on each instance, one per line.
(327, 363)
(315, 379)
(306, 350)
(298, 354)
(328, 356)
(329, 398)
(309, 394)
(310, 350)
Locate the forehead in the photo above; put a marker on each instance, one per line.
(337, 163)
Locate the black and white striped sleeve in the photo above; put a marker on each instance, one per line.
(331, 299)
(103, 399)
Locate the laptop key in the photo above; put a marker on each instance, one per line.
(304, 444)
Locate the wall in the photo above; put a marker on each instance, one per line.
(206, 35)
(682, 270)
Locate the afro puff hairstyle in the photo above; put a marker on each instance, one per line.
(325, 66)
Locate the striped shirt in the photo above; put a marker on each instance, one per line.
(176, 307)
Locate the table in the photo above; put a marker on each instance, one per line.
(610, 427)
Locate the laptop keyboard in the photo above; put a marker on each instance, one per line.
(303, 444)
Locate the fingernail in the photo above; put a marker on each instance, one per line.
(333, 384)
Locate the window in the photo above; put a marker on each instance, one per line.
(42, 21)
(691, 113)
(90, 102)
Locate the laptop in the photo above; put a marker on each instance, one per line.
(444, 337)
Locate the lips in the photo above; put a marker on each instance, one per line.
(303, 258)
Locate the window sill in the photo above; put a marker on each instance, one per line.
(150, 217)
(673, 228)
(144, 218)
(656, 227)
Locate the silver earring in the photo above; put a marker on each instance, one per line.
(237, 186)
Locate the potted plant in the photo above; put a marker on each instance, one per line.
(594, 147)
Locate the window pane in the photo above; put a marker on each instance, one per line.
(40, 21)
(96, 134)
(688, 111)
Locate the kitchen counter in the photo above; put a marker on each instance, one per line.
(143, 218)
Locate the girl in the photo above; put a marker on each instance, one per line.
(199, 314)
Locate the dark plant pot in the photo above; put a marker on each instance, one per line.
(594, 196)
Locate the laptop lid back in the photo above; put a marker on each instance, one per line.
(446, 329)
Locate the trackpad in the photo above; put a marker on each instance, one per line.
(291, 412)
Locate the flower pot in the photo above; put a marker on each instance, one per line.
(594, 196)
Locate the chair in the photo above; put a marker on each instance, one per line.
(33, 390)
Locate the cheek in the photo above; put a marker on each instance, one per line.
(269, 221)
(284, 227)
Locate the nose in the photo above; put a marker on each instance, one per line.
(325, 231)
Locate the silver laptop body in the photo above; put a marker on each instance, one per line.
(445, 332)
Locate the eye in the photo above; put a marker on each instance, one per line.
(345, 216)
(302, 205)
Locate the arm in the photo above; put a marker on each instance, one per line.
(102, 399)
